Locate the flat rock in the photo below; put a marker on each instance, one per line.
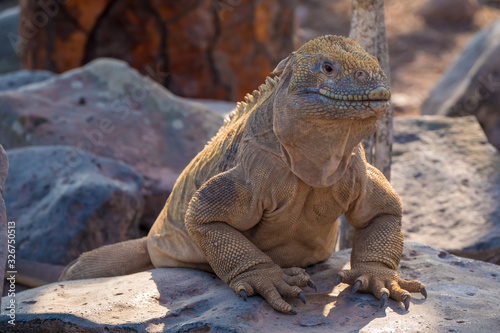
(66, 201)
(463, 297)
(18, 79)
(109, 109)
(448, 177)
(471, 85)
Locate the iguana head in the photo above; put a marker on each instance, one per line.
(330, 96)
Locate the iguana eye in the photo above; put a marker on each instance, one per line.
(328, 69)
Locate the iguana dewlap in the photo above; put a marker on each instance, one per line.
(263, 197)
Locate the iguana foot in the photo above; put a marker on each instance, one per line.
(272, 283)
(381, 281)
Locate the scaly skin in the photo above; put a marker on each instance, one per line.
(262, 199)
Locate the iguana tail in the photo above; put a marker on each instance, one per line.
(111, 260)
(35, 274)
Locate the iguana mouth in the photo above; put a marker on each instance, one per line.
(379, 94)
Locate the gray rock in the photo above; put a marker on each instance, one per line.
(4, 167)
(448, 177)
(5, 4)
(66, 201)
(445, 12)
(18, 79)
(109, 109)
(223, 108)
(9, 59)
(471, 85)
(463, 297)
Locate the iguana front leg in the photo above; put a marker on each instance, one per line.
(219, 211)
(378, 243)
(374, 261)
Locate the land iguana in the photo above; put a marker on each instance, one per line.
(261, 200)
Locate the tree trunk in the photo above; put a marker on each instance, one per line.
(368, 29)
(218, 49)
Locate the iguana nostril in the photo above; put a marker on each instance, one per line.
(379, 93)
(361, 76)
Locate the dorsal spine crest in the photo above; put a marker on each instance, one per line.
(251, 100)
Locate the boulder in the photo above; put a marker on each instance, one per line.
(18, 79)
(462, 297)
(9, 60)
(4, 167)
(449, 12)
(109, 109)
(65, 201)
(221, 49)
(6, 4)
(448, 177)
(471, 85)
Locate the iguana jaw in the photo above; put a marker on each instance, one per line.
(379, 94)
(357, 104)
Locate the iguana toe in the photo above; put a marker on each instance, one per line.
(296, 276)
(413, 286)
(272, 283)
(273, 297)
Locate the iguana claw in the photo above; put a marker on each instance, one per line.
(383, 300)
(337, 281)
(243, 295)
(302, 298)
(424, 292)
(292, 311)
(356, 286)
(312, 285)
(407, 302)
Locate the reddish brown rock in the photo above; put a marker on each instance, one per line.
(218, 49)
(108, 109)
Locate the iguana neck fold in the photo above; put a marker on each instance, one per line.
(298, 144)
